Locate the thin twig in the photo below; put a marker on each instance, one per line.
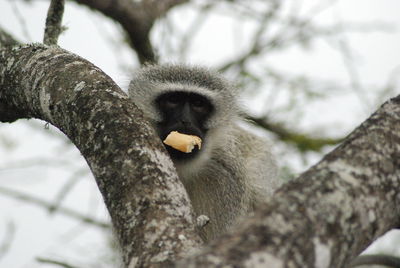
(53, 22)
(58, 263)
(43, 203)
(6, 39)
(67, 187)
(21, 20)
(8, 238)
(302, 142)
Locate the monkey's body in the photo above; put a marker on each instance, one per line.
(234, 180)
(234, 170)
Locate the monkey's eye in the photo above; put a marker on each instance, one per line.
(172, 102)
(200, 106)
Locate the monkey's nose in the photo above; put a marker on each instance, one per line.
(186, 123)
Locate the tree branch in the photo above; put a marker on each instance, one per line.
(376, 259)
(8, 239)
(301, 141)
(43, 203)
(136, 18)
(6, 39)
(147, 203)
(53, 22)
(55, 262)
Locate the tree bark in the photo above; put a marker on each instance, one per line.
(53, 27)
(148, 205)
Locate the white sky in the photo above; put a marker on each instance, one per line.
(40, 234)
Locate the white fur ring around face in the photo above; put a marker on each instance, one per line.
(182, 142)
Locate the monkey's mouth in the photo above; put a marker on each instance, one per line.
(177, 155)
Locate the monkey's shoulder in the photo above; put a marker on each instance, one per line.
(256, 155)
(250, 147)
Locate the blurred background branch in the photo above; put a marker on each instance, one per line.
(50, 206)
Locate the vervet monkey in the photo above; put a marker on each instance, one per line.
(234, 170)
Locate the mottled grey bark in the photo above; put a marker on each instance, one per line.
(148, 205)
(53, 27)
(330, 213)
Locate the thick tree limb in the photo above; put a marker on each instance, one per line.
(148, 205)
(330, 213)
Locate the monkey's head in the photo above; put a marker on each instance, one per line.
(190, 100)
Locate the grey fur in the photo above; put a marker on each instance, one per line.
(235, 170)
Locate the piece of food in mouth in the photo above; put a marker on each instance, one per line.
(182, 142)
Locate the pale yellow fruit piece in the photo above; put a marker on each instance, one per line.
(182, 142)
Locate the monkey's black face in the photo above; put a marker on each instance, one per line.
(185, 112)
